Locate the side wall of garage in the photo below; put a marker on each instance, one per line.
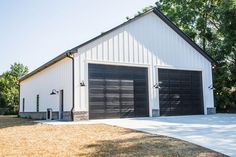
(146, 42)
(59, 77)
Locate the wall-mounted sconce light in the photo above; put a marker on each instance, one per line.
(213, 66)
(54, 92)
(156, 86)
(82, 84)
(211, 87)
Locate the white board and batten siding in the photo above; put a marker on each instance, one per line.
(58, 76)
(145, 42)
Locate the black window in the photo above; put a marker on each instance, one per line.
(23, 105)
(37, 103)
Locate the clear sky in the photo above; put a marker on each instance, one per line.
(34, 31)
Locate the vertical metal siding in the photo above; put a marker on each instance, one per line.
(146, 42)
(149, 42)
(57, 76)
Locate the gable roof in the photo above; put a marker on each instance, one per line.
(155, 11)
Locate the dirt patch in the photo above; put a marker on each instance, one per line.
(20, 137)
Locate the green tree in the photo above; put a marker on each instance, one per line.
(211, 24)
(224, 50)
(9, 88)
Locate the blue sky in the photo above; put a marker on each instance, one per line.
(34, 31)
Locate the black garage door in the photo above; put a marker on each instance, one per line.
(180, 92)
(117, 92)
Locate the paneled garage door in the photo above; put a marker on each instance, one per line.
(180, 92)
(117, 91)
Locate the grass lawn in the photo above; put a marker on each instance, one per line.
(21, 137)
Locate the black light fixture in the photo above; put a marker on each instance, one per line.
(213, 66)
(54, 92)
(211, 87)
(82, 83)
(157, 86)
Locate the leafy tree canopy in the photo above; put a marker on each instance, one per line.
(9, 88)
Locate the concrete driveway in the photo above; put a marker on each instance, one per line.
(216, 132)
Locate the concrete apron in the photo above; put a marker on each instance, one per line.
(216, 132)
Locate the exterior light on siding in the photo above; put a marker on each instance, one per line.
(54, 92)
(213, 66)
(82, 83)
(211, 87)
(157, 86)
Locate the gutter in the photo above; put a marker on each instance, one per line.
(70, 55)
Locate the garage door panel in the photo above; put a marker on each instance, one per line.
(173, 96)
(180, 92)
(165, 103)
(109, 92)
(120, 90)
(165, 111)
(127, 99)
(129, 82)
(127, 114)
(96, 90)
(97, 95)
(112, 108)
(112, 103)
(140, 90)
(98, 111)
(99, 87)
(164, 89)
(112, 115)
(112, 94)
(164, 82)
(164, 96)
(128, 92)
(96, 116)
(140, 105)
(110, 82)
(97, 107)
(96, 99)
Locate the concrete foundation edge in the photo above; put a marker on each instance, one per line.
(81, 115)
(211, 110)
(78, 115)
(155, 112)
(38, 115)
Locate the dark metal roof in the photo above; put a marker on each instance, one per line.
(155, 11)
